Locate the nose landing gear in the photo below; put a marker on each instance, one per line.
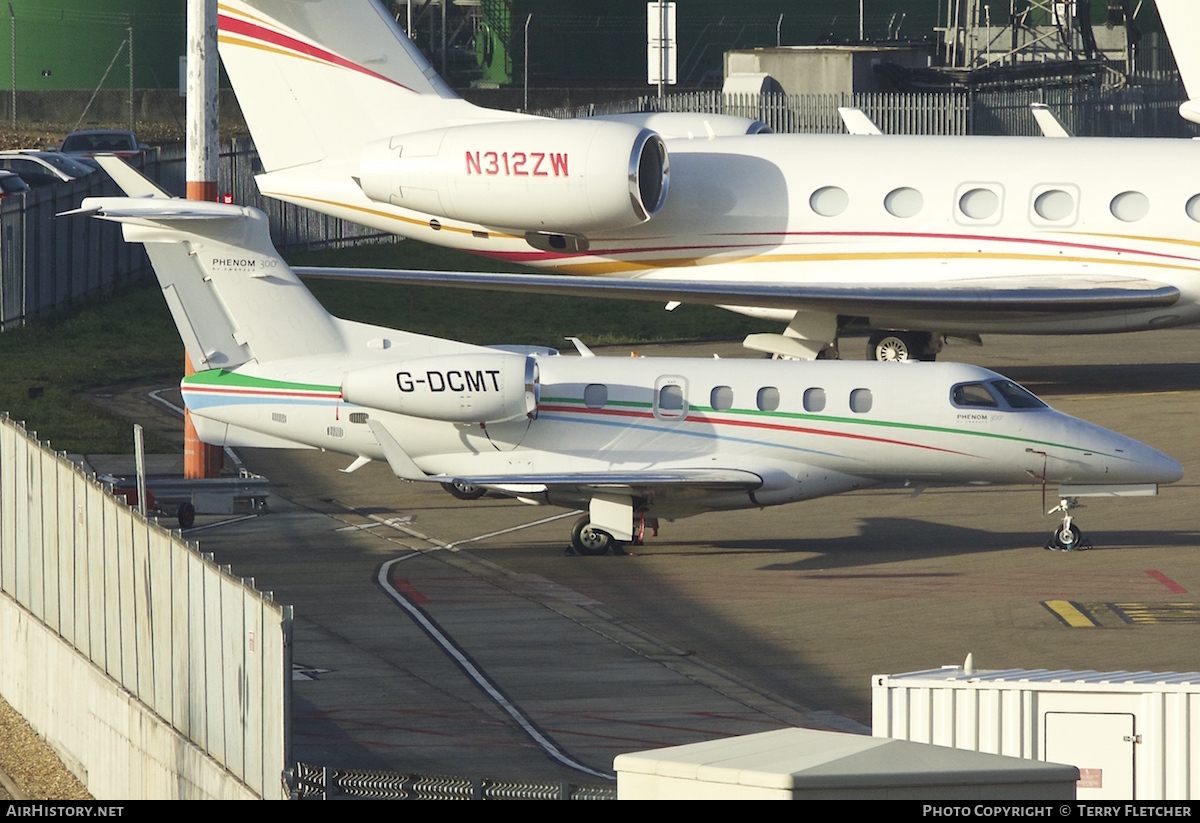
(1067, 537)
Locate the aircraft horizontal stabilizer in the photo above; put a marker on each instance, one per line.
(1025, 296)
(124, 208)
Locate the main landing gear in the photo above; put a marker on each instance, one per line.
(464, 491)
(1067, 537)
(590, 541)
(898, 346)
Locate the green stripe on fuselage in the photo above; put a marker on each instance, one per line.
(847, 421)
(233, 379)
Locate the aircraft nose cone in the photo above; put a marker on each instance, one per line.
(1170, 470)
(1147, 465)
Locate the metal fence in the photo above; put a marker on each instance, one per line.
(48, 263)
(201, 648)
(310, 782)
(1139, 111)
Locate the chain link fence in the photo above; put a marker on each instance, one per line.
(72, 64)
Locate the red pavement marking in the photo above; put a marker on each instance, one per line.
(410, 591)
(1166, 581)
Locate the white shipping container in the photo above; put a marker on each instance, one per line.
(1132, 735)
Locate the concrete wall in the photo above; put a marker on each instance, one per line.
(153, 672)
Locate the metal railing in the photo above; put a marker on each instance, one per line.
(308, 782)
(48, 263)
(1135, 111)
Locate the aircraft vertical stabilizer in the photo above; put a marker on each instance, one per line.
(1181, 22)
(320, 78)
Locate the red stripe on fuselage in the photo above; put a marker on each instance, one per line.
(260, 392)
(752, 424)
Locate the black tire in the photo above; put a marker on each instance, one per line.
(186, 515)
(588, 541)
(464, 491)
(1065, 539)
(897, 347)
(890, 347)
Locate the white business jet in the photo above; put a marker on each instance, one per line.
(630, 440)
(915, 237)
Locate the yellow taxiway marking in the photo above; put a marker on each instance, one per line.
(1146, 613)
(1072, 614)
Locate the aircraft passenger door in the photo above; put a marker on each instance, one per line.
(670, 397)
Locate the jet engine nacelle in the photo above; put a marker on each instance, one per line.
(460, 388)
(567, 176)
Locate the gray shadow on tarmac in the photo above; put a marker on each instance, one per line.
(1099, 379)
(892, 540)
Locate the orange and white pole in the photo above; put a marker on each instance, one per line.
(199, 458)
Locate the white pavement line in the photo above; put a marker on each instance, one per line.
(399, 523)
(480, 678)
(551, 519)
(221, 523)
(154, 396)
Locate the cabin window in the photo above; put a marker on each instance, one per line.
(1017, 397)
(829, 201)
(973, 395)
(721, 398)
(359, 417)
(670, 398)
(860, 401)
(903, 202)
(1193, 207)
(1130, 206)
(979, 204)
(814, 400)
(1054, 205)
(595, 396)
(768, 398)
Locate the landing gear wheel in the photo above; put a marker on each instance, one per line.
(464, 491)
(186, 515)
(589, 541)
(1066, 539)
(897, 347)
(890, 348)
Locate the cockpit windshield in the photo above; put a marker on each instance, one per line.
(1017, 397)
(974, 395)
(994, 394)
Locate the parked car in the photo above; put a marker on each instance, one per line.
(43, 168)
(90, 142)
(11, 183)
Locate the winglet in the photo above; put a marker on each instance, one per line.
(1048, 121)
(402, 465)
(857, 121)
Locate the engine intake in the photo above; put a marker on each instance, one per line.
(558, 176)
(466, 388)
